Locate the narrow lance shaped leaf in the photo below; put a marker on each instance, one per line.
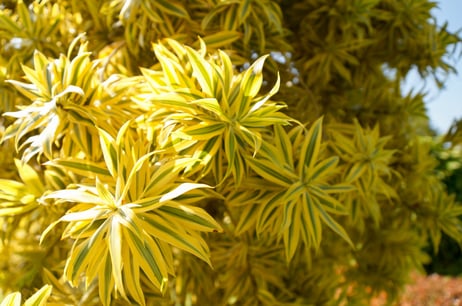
(177, 237)
(76, 196)
(250, 84)
(81, 254)
(12, 299)
(114, 241)
(193, 217)
(105, 280)
(80, 167)
(284, 144)
(181, 189)
(221, 39)
(268, 171)
(311, 221)
(172, 7)
(202, 131)
(40, 297)
(203, 71)
(310, 147)
(291, 238)
(149, 260)
(333, 225)
(109, 152)
(131, 273)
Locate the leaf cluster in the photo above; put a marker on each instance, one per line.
(238, 152)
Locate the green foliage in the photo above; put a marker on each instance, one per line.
(446, 259)
(246, 152)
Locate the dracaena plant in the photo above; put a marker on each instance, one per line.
(67, 101)
(20, 206)
(202, 108)
(208, 152)
(126, 222)
(303, 198)
(366, 166)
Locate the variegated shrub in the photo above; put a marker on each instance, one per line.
(217, 152)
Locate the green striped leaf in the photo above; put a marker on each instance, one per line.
(271, 172)
(109, 149)
(291, 238)
(328, 202)
(247, 218)
(40, 297)
(80, 167)
(230, 144)
(288, 208)
(202, 71)
(30, 178)
(221, 39)
(180, 190)
(252, 138)
(356, 171)
(202, 131)
(79, 116)
(251, 83)
(81, 254)
(294, 192)
(78, 71)
(231, 21)
(311, 221)
(8, 24)
(25, 16)
(333, 225)
(193, 217)
(211, 105)
(104, 193)
(174, 235)
(173, 100)
(31, 91)
(310, 147)
(76, 196)
(170, 7)
(114, 242)
(137, 174)
(244, 10)
(12, 299)
(41, 64)
(131, 272)
(204, 153)
(321, 170)
(149, 258)
(145, 204)
(172, 70)
(268, 211)
(338, 188)
(105, 280)
(94, 266)
(166, 174)
(284, 144)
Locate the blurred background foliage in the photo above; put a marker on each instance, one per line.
(447, 260)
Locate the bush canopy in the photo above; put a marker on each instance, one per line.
(218, 152)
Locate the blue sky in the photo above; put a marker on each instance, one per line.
(444, 105)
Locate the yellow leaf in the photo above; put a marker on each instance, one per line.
(12, 299)
(310, 147)
(40, 297)
(221, 39)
